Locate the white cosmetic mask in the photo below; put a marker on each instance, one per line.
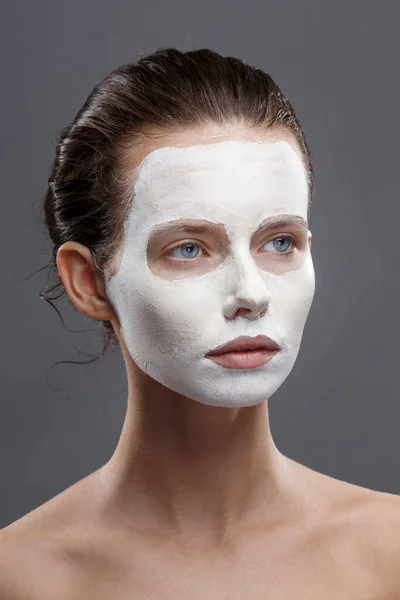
(173, 308)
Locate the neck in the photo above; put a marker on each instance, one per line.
(179, 463)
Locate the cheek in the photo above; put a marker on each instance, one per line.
(170, 316)
(293, 295)
(185, 302)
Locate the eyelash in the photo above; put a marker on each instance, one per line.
(295, 244)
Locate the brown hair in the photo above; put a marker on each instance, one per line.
(86, 200)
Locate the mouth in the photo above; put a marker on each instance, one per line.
(245, 352)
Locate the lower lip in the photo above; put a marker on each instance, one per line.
(244, 359)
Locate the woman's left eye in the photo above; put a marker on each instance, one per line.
(188, 251)
(292, 241)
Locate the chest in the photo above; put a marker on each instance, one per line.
(317, 570)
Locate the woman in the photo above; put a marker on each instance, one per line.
(178, 207)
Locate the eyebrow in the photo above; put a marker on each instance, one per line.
(274, 221)
(283, 221)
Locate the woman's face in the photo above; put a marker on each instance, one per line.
(216, 246)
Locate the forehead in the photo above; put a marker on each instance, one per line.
(221, 180)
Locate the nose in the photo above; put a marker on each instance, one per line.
(248, 294)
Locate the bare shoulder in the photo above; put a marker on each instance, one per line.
(8, 571)
(382, 515)
(364, 526)
(29, 565)
(20, 565)
(374, 526)
(31, 548)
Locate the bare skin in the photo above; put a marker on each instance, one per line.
(197, 501)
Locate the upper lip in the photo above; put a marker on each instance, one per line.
(244, 342)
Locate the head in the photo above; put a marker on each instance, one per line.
(170, 196)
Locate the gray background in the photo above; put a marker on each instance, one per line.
(338, 412)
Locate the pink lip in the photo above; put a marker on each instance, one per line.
(245, 352)
(244, 342)
(244, 359)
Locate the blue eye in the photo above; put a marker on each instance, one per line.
(187, 249)
(279, 240)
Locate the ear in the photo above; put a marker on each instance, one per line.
(83, 281)
(309, 240)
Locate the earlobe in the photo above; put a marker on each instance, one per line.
(82, 281)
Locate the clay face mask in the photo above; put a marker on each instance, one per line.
(204, 263)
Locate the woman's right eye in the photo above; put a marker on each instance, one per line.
(187, 251)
